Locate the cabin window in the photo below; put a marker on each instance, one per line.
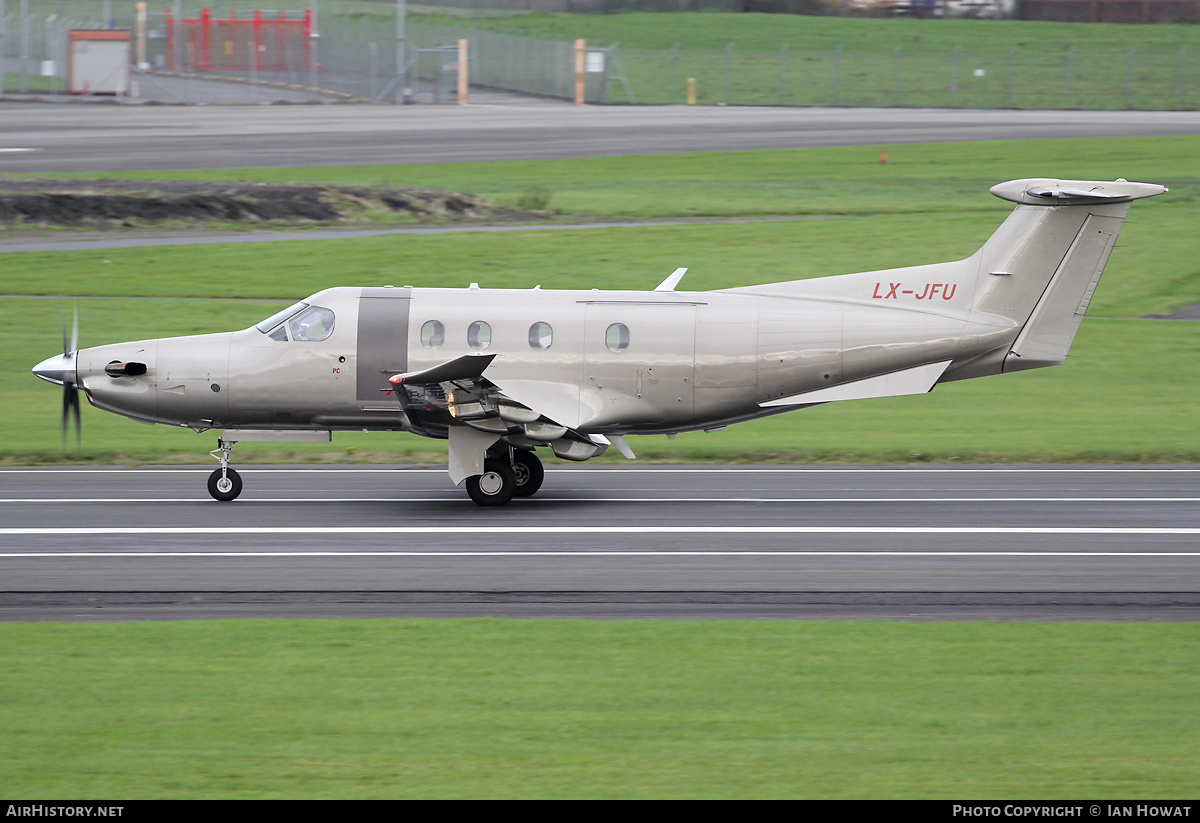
(617, 337)
(433, 334)
(279, 316)
(312, 325)
(479, 335)
(540, 335)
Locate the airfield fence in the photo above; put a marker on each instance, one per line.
(357, 58)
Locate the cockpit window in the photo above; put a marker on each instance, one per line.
(277, 318)
(312, 325)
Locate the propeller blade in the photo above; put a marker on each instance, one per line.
(66, 408)
(70, 409)
(62, 321)
(70, 398)
(78, 421)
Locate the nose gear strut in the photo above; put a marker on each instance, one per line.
(224, 484)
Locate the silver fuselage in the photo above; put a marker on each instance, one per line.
(693, 359)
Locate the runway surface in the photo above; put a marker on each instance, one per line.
(42, 137)
(610, 542)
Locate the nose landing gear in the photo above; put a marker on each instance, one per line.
(224, 484)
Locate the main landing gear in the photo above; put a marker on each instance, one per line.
(224, 484)
(517, 474)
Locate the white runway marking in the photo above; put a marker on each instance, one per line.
(590, 553)
(11, 151)
(637, 530)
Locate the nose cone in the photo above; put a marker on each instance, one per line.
(59, 369)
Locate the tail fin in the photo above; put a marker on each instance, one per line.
(1041, 267)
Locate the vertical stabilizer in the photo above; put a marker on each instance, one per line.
(1041, 267)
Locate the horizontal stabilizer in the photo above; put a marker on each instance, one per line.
(465, 367)
(1045, 192)
(918, 380)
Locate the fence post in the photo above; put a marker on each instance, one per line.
(24, 45)
(3, 26)
(728, 71)
(674, 94)
(1012, 51)
(177, 37)
(954, 76)
(896, 75)
(837, 75)
(1129, 78)
(462, 70)
(401, 57)
(142, 65)
(783, 50)
(580, 52)
(373, 49)
(311, 52)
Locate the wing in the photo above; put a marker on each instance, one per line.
(454, 400)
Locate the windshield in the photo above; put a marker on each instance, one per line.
(312, 325)
(277, 318)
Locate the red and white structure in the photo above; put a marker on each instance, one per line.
(98, 61)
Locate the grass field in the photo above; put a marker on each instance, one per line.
(505, 708)
(741, 59)
(929, 203)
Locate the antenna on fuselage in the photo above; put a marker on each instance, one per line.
(671, 282)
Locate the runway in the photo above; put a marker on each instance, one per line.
(608, 542)
(41, 137)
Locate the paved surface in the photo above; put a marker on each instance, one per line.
(982, 542)
(95, 138)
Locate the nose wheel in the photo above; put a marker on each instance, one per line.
(224, 484)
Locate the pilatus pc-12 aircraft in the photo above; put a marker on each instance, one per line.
(502, 373)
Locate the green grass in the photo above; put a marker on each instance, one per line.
(503, 708)
(854, 62)
(939, 178)
(1129, 385)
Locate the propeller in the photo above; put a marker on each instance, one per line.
(70, 399)
(61, 369)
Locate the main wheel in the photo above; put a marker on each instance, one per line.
(530, 474)
(224, 488)
(495, 486)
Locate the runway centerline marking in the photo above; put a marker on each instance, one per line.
(637, 529)
(587, 553)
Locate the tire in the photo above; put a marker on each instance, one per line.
(495, 486)
(227, 490)
(530, 474)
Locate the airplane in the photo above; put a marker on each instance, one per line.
(502, 373)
